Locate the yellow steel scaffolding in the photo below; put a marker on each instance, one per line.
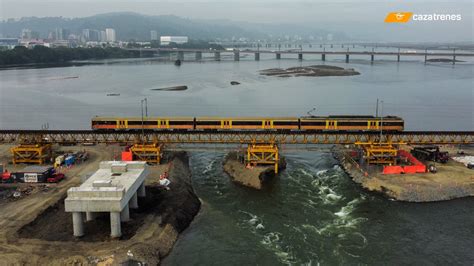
(263, 154)
(380, 153)
(151, 153)
(31, 153)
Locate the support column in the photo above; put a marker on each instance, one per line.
(181, 55)
(323, 57)
(236, 56)
(78, 224)
(115, 227)
(90, 216)
(454, 56)
(347, 58)
(217, 56)
(300, 56)
(257, 56)
(198, 56)
(426, 55)
(372, 58)
(134, 201)
(332, 46)
(141, 191)
(278, 56)
(125, 214)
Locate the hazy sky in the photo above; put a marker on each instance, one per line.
(357, 16)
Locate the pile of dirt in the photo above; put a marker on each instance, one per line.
(310, 71)
(254, 177)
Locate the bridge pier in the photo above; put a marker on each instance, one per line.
(300, 56)
(257, 56)
(332, 46)
(426, 56)
(180, 55)
(398, 58)
(320, 46)
(198, 56)
(323, 57)
(236, 56)
(347, 58)
(454, 56)
(278, 56)
(217, 56)
(372, 57)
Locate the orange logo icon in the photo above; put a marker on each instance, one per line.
(398, 17)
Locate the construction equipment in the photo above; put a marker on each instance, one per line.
(430, 153)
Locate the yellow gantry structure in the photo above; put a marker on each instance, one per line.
(32, 153)
(263, 154)
(150, 153)
(380, 152)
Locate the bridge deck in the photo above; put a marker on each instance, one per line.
(234, 137)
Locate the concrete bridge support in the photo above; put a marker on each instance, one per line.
(398, 58)
(278, 56)
(323, 57)
(236, 56)
(134, 201)
(78, 223)
(372, 57)
(332, 46)
(198, 56)
(90, 216)
(257, 56)
(347, 58)
(141, 191)
(300, 56)
(125, 214)
(115, 227)
(217, 56)
(454, 59)
(181, 55)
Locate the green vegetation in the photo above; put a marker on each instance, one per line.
(40, 54)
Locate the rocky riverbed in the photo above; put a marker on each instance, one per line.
(310, 71)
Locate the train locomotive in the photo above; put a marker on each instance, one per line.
(304, 123)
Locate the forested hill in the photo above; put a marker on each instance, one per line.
(129, 26)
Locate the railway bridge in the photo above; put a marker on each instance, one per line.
(34, 146)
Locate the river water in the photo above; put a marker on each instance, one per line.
(312, 213)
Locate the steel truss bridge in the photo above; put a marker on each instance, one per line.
(233, 137)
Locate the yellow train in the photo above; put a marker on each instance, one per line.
(310, 123)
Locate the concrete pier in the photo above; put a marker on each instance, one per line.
(90, 216)
(372, 57)
(300, 56)
(198, 56)
(142, 191)
(347, 58)
(78, 224)
(217, 56)
(278, 56)
(257, 56)
(134, 201)
(125, 214)
(323, 57)
(113, 188)
(115, 226)
(236, 56)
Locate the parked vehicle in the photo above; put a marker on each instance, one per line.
(430, 153)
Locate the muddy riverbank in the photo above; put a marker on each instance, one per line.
(309, 71)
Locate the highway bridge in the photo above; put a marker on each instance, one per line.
(347, 53)
(233, 137)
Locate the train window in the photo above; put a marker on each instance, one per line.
(177, 122)
(285, 123)
(139, 123)
(313, 123)
(246, 123)
(207, 123)
(352, 123)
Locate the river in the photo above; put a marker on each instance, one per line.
(312, 213)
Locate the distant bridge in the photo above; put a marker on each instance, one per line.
(236, 52)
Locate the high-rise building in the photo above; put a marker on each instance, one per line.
(26, 34)
(110, 35)
(154, 35)
(61, 34)
(103, 36)
(90, 35)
